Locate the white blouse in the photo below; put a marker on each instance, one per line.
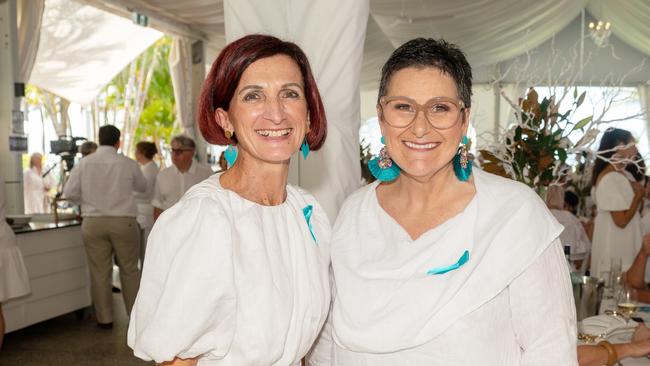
(232, 281)
(510, 304)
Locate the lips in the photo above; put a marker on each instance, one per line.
(421, 146)
(274, 133)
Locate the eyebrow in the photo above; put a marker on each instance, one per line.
(258, 87)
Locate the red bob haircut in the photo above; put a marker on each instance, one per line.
(223, 79)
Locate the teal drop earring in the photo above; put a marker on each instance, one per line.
(304, 148)
(462, 163)
(231, 153)
(383, 167)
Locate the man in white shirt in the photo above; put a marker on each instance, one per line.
(104, 183)
(174, 181)
(36, 186)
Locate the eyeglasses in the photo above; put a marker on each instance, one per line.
(441, 112)
(179, 151)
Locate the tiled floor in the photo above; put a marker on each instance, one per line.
(67, 341)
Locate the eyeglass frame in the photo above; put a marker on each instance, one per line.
(180, 151)
(420, 107)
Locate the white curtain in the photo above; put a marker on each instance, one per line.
(487, 31)
(30, 15)
(332, 33)
(630, 20)
(644, 99)
(180, 69)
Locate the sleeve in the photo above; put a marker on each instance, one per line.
(543, 311)
(614, 193)
(72, 189)
(157, 199)
(139, 182)
(186, 305)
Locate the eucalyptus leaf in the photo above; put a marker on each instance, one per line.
(583, 122)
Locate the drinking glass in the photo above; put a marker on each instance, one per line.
(627, 303)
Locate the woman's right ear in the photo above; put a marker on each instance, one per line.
(222, 119)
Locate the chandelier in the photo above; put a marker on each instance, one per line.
(600, 32)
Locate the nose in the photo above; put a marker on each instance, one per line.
(420, 125)
(274, 110)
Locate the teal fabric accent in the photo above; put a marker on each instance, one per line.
(231, 155)
(307, 211)
(441, 270)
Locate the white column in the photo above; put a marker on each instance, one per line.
(332, 33)
(11, 121)
(187, 70)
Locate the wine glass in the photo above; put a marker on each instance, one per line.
(627, 303)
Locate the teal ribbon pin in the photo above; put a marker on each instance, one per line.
(307, 211)
(440, 270)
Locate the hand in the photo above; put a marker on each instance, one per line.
(638, 348)
(642, 333)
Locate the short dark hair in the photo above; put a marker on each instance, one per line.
(147, 149)
(429, 52)
(109, 135)
(223, 79)
(87, 148)
(185, 141)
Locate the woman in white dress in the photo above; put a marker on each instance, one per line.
(236, 272)
(14, 281)
(144, 154)
(442, 266)
(617, 228)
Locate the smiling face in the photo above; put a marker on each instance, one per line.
(419, 149)
(268, 112)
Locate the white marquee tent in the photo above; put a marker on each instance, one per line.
(346, 41)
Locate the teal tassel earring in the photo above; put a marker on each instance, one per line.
(304, 148)
(383, 167)
(462, 163)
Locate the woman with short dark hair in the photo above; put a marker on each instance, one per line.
(436, 263)
(236, 272)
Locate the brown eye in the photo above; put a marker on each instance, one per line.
(253, 96)
(290, 94)
(403, 107)
(440, 108)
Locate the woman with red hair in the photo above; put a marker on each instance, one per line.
(236, 272)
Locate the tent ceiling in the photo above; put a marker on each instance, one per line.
(489, 31)
(82, 48)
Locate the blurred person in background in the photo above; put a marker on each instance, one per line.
(172, 182)
(36, 186)
(87, 148)
(103, 183)
(144, 153)
(14, 280)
